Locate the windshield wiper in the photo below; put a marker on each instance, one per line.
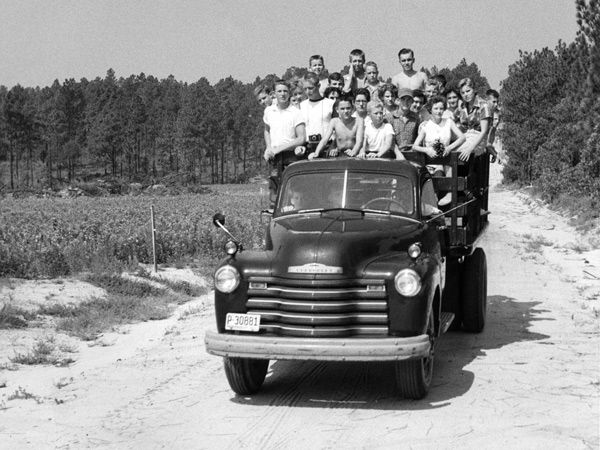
(323, 210)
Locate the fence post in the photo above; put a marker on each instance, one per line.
(153, 237)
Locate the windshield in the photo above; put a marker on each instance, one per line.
(347, 190)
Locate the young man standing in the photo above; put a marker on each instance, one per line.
(356, 77)
(409, 78)
(316, 112)
(284, 125)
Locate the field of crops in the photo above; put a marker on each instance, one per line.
(52, 237)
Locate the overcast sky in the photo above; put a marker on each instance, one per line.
(44, 40)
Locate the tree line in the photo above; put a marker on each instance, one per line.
(141, 129)
(551, 105)
(131, 128)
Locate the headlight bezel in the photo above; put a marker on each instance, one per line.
(231, 247)
(414, 250)
(408, 283)
(227, 279)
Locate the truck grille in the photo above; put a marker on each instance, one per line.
(319, 308)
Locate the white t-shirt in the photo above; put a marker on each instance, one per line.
(375, 137)
(433, 132)
(317, 115)
(282, 123)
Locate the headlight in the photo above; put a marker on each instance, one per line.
(227, 279)
(414, 250)
(407, 282)
(231, 247)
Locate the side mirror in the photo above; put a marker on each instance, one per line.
(218, 220)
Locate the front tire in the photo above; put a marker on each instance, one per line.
(245, 375)
(475, 292)
(414, 376)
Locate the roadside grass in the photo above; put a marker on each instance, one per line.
(179, 286)
(127, 301)
(534, 244)
(22, 394)
(14, 317)
(44, 351)
(583, 211)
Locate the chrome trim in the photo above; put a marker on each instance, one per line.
(325, 349)
(325, 306)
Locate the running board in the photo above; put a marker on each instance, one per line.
(446, 319)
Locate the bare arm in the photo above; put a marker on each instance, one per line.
(467, 149)
(429, 151)
(363, 150)
(460, 138)
(324, 139)
(348, 81)
(268, 151)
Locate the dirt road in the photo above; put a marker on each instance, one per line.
(529, 381)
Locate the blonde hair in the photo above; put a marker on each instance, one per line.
(372, 105)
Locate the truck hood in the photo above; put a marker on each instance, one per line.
(337, 243)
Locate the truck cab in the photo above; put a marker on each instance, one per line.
(355, 268)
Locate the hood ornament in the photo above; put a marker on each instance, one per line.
(315, 268)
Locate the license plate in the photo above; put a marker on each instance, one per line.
(242, 322)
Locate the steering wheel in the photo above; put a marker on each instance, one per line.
(390, 201)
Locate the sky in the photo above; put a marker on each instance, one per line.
(42, 41)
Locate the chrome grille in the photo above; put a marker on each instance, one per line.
(319, 308)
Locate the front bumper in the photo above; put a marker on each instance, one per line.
(321, 349)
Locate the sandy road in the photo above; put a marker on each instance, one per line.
(529, 381)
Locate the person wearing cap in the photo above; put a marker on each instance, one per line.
(404, 122)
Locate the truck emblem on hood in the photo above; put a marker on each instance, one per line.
(314, 268)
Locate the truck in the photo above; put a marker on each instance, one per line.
(359, 264)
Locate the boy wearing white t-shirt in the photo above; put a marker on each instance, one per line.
(316, 112)
(284, 124)
(379, 136)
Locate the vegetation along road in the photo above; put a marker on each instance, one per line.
(530, 380)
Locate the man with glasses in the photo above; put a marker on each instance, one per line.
(409, 78)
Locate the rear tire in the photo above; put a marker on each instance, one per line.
(245, 375)
(453, 291)
(414, 376)
(475, 292)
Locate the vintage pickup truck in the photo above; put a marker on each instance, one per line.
(359, 264)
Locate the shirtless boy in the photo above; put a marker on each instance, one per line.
(348, 130)
(409, 78)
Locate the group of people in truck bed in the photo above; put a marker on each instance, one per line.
(360, 116)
